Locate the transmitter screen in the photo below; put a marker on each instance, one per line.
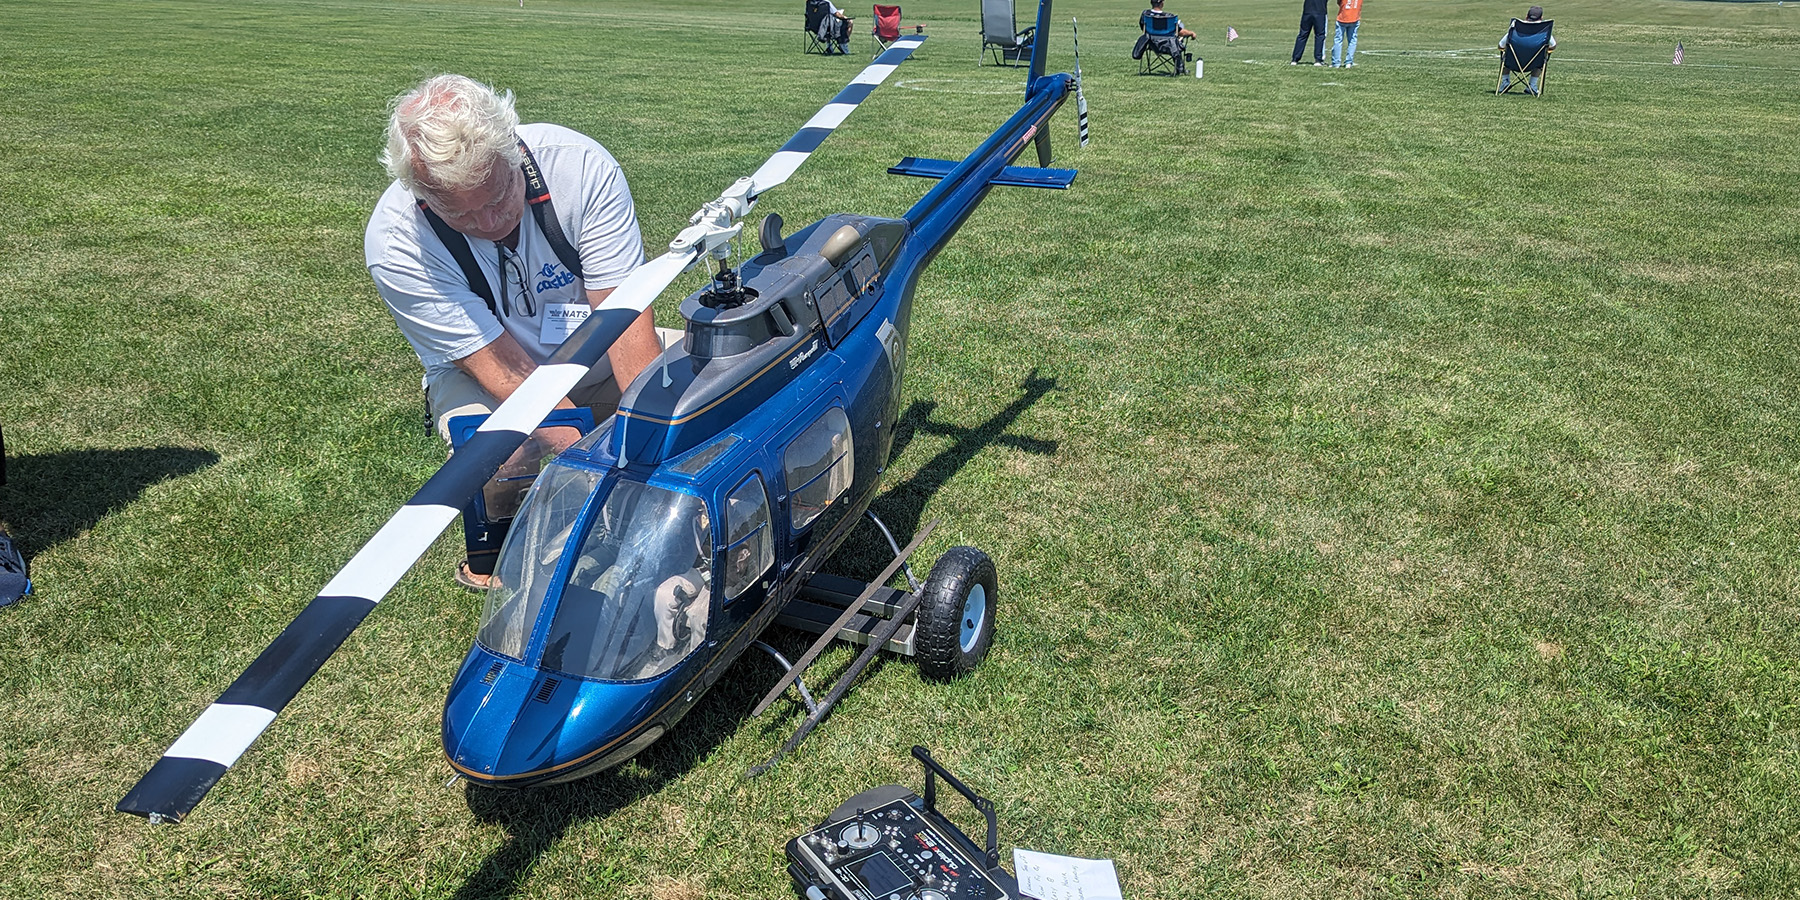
(881, 876)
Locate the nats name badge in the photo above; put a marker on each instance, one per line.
(561, 320)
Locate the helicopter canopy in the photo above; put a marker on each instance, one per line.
(637, 589)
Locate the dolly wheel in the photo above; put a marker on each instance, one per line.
(956, 614)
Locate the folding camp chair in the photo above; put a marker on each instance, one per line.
(1159, 49)
(1527, 52)
(823, 29)
(887, 26)
(1000, 38)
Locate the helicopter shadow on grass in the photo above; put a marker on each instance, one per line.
(536, 820)
(900, 508)
(49, 498)
(903, 504)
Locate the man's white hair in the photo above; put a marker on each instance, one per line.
(448, 133)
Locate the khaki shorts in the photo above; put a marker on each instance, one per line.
(456, 393)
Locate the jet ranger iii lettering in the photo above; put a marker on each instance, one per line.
(652, 553)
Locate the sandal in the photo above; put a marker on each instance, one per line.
(471, 579)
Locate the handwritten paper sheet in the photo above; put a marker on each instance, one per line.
(1046, 876)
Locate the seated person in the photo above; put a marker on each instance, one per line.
(1164, 32)
(1534, 14)
(834, 27)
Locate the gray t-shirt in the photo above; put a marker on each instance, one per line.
(430, 299)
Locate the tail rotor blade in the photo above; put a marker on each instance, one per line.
(209, 747)
(1081, 124)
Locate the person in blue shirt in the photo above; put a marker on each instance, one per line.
(1312, 21)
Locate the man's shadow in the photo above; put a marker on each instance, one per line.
(535, 820)
(49, 498)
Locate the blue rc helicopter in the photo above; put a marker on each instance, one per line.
(652, 553)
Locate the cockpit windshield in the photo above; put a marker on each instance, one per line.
(638, 596)
(638, 592)
(529, 557)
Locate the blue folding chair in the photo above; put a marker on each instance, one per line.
(1527, 52)
(1159, 49)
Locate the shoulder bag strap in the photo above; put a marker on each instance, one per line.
(537, 195)
(465, 257)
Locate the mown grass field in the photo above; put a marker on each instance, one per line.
(1393, 486)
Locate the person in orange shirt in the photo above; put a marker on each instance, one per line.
(1349, 16)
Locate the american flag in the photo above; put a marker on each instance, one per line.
(1678, 54)
(1230, 34)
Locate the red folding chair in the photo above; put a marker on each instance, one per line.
(887, 26)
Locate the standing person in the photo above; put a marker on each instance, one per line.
(455, 216)
(1312, 19)
(1349, 16)
(1534, 14)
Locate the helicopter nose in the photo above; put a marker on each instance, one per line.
(510, 725)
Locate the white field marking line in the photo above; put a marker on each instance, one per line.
(1684, 65)
(920, 84)
(1452, 53)
(1487, 55)
(222, 733)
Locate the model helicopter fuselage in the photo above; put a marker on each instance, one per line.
(654, 552)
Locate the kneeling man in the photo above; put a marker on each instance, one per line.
(483, 291)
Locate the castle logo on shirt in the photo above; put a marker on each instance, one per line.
(553, 276)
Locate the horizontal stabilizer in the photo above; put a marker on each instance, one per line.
(1011, 176)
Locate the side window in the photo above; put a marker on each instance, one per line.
(818, 466)
(750, 550)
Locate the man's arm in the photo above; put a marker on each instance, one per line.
(636, 348)
(500, 367)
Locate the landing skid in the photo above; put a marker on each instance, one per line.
(869, 614)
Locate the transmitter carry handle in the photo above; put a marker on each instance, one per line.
(981, 804)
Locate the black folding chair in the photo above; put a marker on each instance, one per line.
(824, 31)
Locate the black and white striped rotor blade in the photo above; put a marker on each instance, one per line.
(208, 748)
(792, 154)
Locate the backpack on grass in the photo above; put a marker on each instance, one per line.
(15, 583)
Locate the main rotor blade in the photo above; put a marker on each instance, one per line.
(793, 153)
(208, 748)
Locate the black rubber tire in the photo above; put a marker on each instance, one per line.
(939, 645)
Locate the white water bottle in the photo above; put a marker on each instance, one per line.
(1199, 67)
